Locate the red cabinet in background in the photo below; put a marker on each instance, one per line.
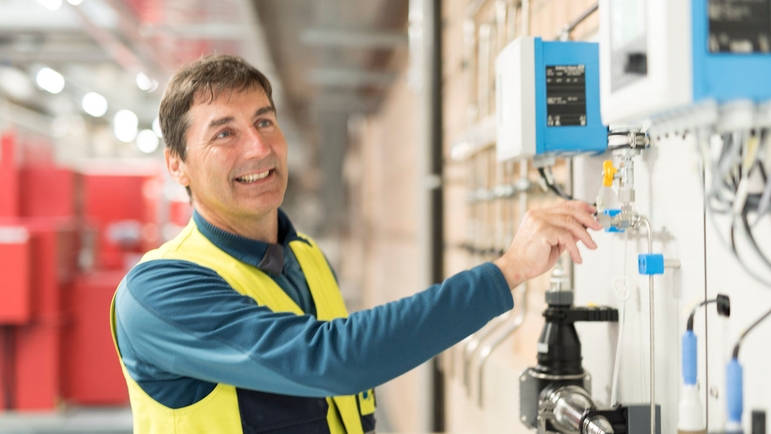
(15, 298)
(92, 373)
(9, 176)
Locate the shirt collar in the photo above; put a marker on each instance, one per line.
(268, 257)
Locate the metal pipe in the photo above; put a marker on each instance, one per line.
(525, 26)
(469, 41)
(564, 34)
(483, 72)
(569, 404)
(137, 54)
(501, 10)
(644, 220)
(432, 40)
(473, 345)
(473, 8)
(488, 349)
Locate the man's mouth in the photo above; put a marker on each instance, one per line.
(254, 177)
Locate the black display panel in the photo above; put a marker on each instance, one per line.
(739, 26)
(566, 95)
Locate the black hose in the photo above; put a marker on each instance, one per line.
(553, 187)
(744, 333)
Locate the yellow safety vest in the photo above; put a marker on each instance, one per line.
(218, 412)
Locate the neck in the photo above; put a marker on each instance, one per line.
(263, 228)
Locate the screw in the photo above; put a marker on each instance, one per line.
(713, 392)
(523, 418)
(523, 378)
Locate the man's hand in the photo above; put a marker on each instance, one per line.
(542, 237)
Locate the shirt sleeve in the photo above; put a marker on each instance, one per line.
(185, 320)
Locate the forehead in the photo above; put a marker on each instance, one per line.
(229, 96)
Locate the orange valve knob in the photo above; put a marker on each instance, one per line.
(608, 172)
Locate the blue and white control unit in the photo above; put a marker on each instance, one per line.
(548, 99)
(660, 56)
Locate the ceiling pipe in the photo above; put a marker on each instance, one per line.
(353, 38)
(135, 57)
(341, 77)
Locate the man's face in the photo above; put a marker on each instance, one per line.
(236, 158)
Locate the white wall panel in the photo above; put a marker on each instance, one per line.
(668, 191)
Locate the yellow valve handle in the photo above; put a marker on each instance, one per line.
(608, 172)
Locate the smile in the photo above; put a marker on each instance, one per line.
(254, 177)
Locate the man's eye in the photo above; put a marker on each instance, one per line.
(265, 123)
(222, 135)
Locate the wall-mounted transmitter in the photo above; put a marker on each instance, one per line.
(659, 56)
(547, 99)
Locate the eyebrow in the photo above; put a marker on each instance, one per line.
(227, 119)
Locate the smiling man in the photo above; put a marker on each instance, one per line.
(237, 325)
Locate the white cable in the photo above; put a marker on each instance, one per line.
(711, 212)
(765, 198)
(621, 289)
(750, 153)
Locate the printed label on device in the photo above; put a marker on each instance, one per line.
(739, 26)
(566, 95)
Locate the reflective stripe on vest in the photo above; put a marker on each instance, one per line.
(218, 412)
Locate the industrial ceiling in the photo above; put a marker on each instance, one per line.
(327, 59)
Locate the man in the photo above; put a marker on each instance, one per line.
(237, 325)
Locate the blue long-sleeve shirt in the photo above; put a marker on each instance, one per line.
(182, 329)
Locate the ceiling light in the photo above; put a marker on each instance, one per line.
(94, 104)
(50, 80)
(146, 83)
(51, 5)
(74, 2)
(157, 127)
(15, 83)
(147, 141)
(126, 125)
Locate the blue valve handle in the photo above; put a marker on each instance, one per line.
(611, 213)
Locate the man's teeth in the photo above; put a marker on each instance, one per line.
(254, 177)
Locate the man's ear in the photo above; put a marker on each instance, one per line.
(177, 168)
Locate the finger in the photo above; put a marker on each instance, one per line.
(587, 208)
(587, 220)
(580, 211)
(589, 242)
(567, 222)
(583, 213)
(572, 248)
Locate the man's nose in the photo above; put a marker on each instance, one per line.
(256, 145)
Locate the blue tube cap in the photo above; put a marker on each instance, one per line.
(734, 391)
(690, 358)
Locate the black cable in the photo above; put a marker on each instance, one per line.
(751, 237)
(745, 332)
(554, 188)
(557, 189)
(762, 170)
(723, 308)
